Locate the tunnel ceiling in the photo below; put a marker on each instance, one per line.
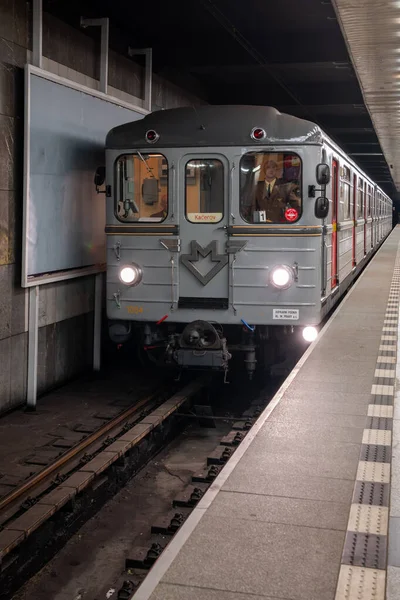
(289, 54)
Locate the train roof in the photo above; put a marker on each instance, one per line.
(212, 125)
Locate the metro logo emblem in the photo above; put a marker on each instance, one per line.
(196, 252)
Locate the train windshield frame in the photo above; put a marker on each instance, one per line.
(141, 187)
(270, 187)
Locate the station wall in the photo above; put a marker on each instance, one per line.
(66, 308)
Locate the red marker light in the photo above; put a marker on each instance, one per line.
(291, 214)
(258, 133)
(152, 136)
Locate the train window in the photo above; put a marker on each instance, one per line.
(204, 190)
(346, 193)
(360, 199)
(270, 187)
(369, 201)
(141, 188)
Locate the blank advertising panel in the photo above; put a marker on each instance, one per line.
(64, 218)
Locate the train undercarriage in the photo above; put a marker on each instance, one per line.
(203, 345)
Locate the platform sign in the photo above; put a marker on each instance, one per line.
(64, 218)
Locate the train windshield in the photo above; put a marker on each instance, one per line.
(141, 188)
(270, 187)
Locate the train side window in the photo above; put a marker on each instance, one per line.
(360, 198)
(270, 187)
(204, 184)
(346, 193)
(369, 201)
(141, 188)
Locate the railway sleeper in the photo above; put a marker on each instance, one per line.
(253, 412)
(126, 590)
(170, 524)
(232, 439)
(208, 477)
(220, 456)
(145, 557)
(189, 498)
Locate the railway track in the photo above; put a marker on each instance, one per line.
(79, 481)
(114, 551)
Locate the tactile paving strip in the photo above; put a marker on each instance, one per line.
(362, 549)
(368, 492)
(359, 583)
(364, 558)
(376, 454)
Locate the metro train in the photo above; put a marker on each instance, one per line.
(231, 231)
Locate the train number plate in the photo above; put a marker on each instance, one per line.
(134, 310)
(291, 314)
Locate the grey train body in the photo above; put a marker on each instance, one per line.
(206, 265)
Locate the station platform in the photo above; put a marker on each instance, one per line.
(303, 510)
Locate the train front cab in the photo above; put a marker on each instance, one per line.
(197, 267)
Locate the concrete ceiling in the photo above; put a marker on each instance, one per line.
(371, 29)
(289, 54)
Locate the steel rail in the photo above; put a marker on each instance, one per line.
(70, 454)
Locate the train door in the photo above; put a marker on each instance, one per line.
(335, 175)
(372, 212)
(203, 269)
(378, 219)
(365, 217)
(354, 219)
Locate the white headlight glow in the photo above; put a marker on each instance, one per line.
(281, 277)
(130, 275)
(310, 334)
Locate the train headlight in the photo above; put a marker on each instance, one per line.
(282, 277)
(130, 274)
(310, 334)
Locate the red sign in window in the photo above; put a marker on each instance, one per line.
(291, 214)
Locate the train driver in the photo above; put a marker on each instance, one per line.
(274, 195)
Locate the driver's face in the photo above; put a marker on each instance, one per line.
(270, 170)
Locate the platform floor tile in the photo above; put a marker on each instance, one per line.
(303, 395)
(368, 519)
(396, 424)
(338, 373)
(298, 434)
(167, 591)
(358, 583)
(393, 583)
(271, 454)
(357, 385)
(317, 407)
(377, 437)
(353, 319)
(275, 509)
(271, 551)
(380, 410)
(394, 542)
(291, 485)
(319, 412)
